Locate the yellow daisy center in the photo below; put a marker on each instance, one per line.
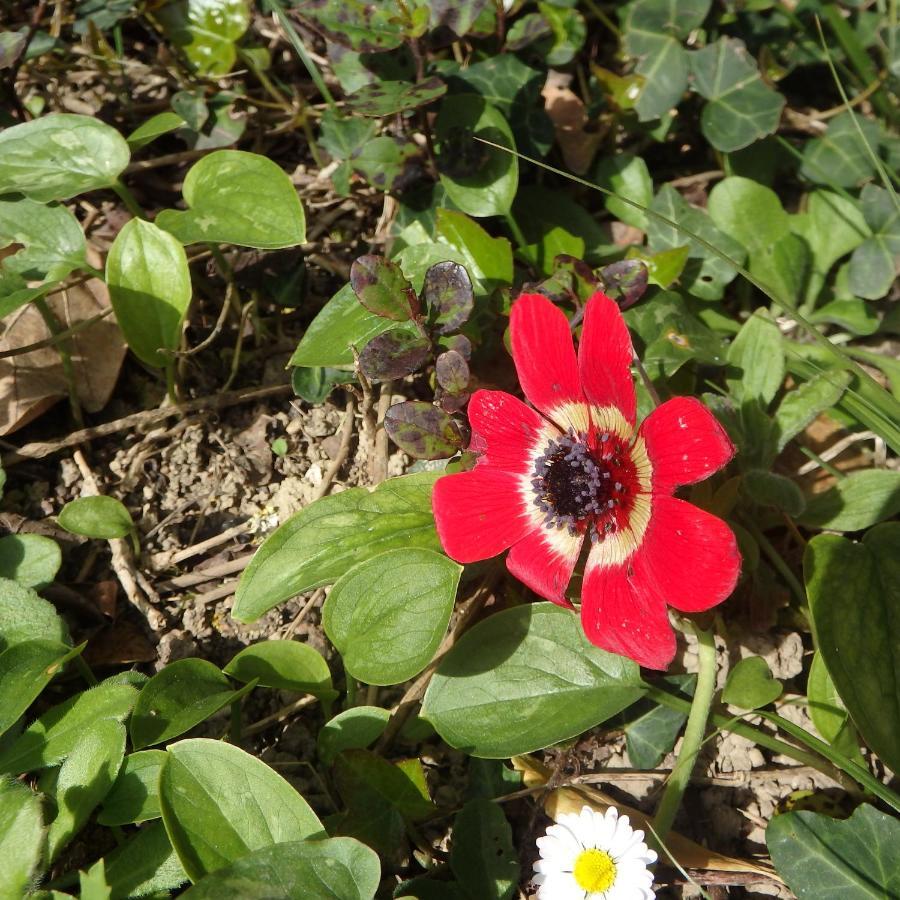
(594, 871)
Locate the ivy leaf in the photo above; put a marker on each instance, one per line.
(206, 31)
(874, 264)
(840, 156)
(387, 98)
(369, 27)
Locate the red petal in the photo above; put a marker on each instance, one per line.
(685, 443)
(479, 514)
(618, 614)
(505, 430)
(689, 556)
(604, 357)
(544, 561)
(544, 353)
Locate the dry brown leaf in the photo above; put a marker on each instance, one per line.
(578, 138)
(689, 854)
(33, 382)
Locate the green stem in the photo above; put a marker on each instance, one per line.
(694, 732)
(65, 354)
(234, 725)
(171, 386)
(127, 198)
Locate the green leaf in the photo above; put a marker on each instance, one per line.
(144, 864)
(827, 711)
(342, 324)
(384, 161)
(26, 668)
(51, 238)
(55, 734)
(422, 430)
(150, 288)
(156, 126)
(135, 795)
(742, 108)
(32, 560)
(21, 836)
(357, 24)
(388, 614)
(627, 175)
(839, 158)
(387, 98)
(875, 262)
(821, 858)
(771, 489)
(205, 31)
(801, 405)
(220, 803)
(479, 179)
(60, 155)
(653, 733)
(286, 665)
(315, 383)
(757, 352)
(240, 198)
(854, 598)
(92, 884)
(447, 291)
(382, 288)
(97, 517)
(24, 616)
(482, 855)
(323, 540)
(84, 779)
(331, 869)
(748, 211)
(705, 275)
(568, 34)
(523, 679)
(177, 698)
(488, 259)
(750, 685)
(353, 729)
(857, 501)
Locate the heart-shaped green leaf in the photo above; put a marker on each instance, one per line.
(240, 198)
(750, 684)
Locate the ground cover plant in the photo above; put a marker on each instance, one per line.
(449, 449)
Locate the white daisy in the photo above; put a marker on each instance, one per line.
(594, 856)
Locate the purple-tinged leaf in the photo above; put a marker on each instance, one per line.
(422, 430)
(448, 295)
(625, 281)
(452, 372)
(382, 288)
(387, 98)
(394, 354)
(458, 342)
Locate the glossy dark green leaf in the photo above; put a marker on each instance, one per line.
(388, 615)
(386, 98)
(452, 372)
(32, 560)
(857, 501)
(21, 836)
(353, 729)
(481, 180)
(211, 788)
(205, 31)
(523, 679)
(342, 324)
(422, 430)
(482, 855)
(854, 598)
(146, 863)
(448, 295)
(235, 197)
(176, 699)
(356, 23)
(821, 858)
(60, 155)
(26, 668)
(331, 869)
(84, 779)
(750, 684)
(323, 540)
(150, 288)
(135, 795)
(286, 665)
(652, 734)
(742, 108)
(394, 354)
(840, 157)
(97, 517)
(382, 288)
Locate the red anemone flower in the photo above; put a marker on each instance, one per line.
(544, 483)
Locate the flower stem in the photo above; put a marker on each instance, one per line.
(694, 732)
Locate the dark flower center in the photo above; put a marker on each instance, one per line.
(585, 483)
